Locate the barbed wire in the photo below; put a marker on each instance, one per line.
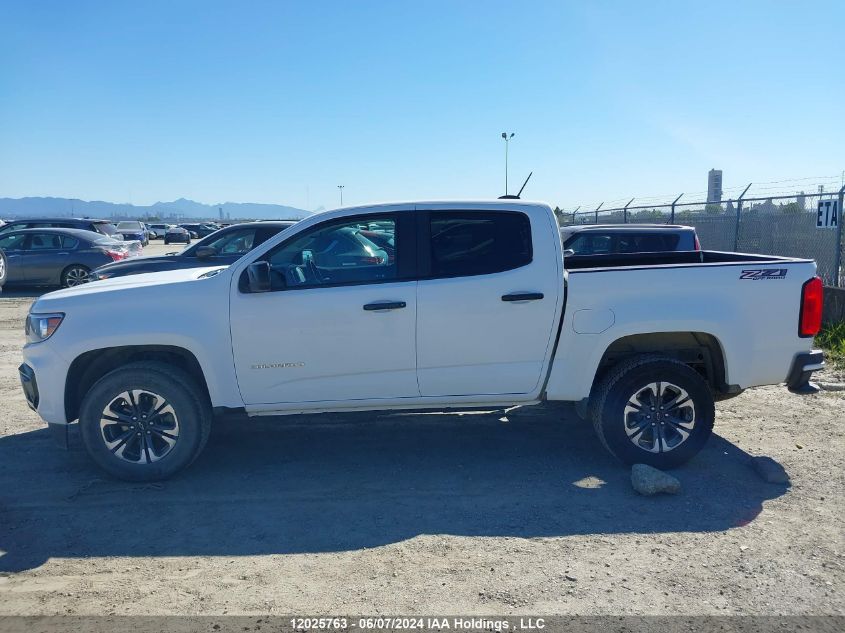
(831, 185)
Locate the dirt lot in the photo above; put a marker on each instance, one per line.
(436, 513)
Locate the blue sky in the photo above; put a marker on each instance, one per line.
(282, 101)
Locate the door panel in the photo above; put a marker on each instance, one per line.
(473, 338)
(44, 258)
(321, 344)
(322, 333)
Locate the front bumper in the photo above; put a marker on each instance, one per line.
(29, 386)
(798, 380)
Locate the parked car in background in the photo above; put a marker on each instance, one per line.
(157, 231)
(86, 224)
(199, 230)
(606, 239)
(220, 249)
(57, 257)
(176, 234)
(133, 230)
(384, 240)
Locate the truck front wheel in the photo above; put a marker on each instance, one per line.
(653, 410)
(144, 421)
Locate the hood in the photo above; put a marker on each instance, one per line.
(120, 287)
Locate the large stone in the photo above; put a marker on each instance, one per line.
(650, 481)
(769, 470)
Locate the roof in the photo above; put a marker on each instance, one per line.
(408, 205)
(622, 228)
(81, 234)
(97, 220)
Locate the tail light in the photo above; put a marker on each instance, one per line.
(375, 260)
(697, 244)
(810, 320)
(116, 256)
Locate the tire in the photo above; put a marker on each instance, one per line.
(75, 275)
(633, 431)
(166, 241)
(174, 438)
(4, 268)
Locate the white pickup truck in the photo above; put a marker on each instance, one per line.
(412, 306)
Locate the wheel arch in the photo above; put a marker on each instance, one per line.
(702, 351)
(87, 368)
(68, 267)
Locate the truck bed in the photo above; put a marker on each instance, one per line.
(747, 305)
(639, 260)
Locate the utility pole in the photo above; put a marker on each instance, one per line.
(340, 188)
(507, 142)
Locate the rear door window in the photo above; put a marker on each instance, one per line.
(44, 242)
(467, 243)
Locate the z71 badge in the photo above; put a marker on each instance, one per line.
(764, 273)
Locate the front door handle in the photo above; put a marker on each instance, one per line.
(385, 305)
(523, 296)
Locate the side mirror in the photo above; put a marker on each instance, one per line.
(206, 252)
(259, 276)
(568, 252)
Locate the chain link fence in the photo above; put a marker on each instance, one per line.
(778, 225)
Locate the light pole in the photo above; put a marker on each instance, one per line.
(340, 187)
(507, 142)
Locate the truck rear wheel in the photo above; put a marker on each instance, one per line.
(653, 410)
(144, 421)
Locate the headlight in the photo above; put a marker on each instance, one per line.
(40, 327)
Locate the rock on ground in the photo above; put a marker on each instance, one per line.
(650, 481)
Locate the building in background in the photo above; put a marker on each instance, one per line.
(714, 185)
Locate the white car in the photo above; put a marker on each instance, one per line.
(469, 305)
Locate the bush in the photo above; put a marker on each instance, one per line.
(832, 340)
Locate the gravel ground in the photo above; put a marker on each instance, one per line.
(426, 513)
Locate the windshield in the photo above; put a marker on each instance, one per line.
(106, 227)
(129, 226)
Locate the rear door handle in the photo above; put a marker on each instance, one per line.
(385, 305)
(523, 296)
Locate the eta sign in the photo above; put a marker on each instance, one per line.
(828, 215)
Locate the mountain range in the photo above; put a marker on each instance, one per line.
(181, 208)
